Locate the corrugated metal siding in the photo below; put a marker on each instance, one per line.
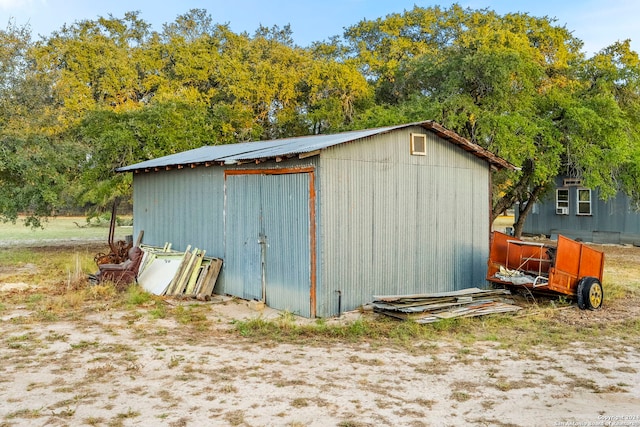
(287, 229)
(184, 207)
(268, 221)
(242, 258)
(394, 223)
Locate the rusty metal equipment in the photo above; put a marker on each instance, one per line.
(119, 250)
(570, 268)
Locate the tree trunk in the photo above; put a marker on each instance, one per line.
(515, 192)
(524, 209)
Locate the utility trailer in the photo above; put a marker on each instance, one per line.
(568, 268)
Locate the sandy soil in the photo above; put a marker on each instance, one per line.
(125, 368)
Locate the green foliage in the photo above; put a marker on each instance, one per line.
(515, 84)
(104, 93)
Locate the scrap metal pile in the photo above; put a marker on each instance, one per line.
(429, 308)
(119, 250)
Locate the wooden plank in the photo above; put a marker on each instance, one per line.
(185, 274)
(428, 309)
(171, 289)
(211, 278)
(195, 270)
(139, 239)
(460, 293)
(206, 263)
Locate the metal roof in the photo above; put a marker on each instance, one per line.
(302, 146)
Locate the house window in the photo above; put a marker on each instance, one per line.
(562, 201)
(418, 144)
(584, 201)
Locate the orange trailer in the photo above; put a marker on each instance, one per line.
(570, 268)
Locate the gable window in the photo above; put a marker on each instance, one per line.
(584, 201)
(562, 201)
(418, 144)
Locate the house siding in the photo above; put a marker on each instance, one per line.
(611, 221)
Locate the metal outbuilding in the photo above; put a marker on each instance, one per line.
(319, 224)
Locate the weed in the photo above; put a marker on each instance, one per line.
(25, 413)
(181, 422)
(101, 292)
(55, 336)
(20, 338)
(84, 344)
(175, 361)
(67, 412)
(460, 396)
(159, 311)
(136, 295)
(235, 418)
(350, 423)
(33, 299)
(94, 421)
(47, 316)
(193, 315)
(300, 402)
(129, 414)
(100, 372)
(228, 388)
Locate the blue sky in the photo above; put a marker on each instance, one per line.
(598, 23)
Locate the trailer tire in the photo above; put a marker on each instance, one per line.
(589, 293)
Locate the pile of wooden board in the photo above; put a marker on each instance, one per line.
(428, 308)
(189, 273)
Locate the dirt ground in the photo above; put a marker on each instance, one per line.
(122, 367)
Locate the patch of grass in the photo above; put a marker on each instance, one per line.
(94, 421)
(228, 388)
(300, 402)
(101, 292)
(25, 413)
(49, 265)
(65, 227)
(175, 361)
(135, 295)
(159, 310)
(55, 336)
(460, 396)
(193, 315)
(34, 299)
(351, 423)
(84, 344)
(22, 342)
(129, 414)
(234, 418)
(100, 372)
